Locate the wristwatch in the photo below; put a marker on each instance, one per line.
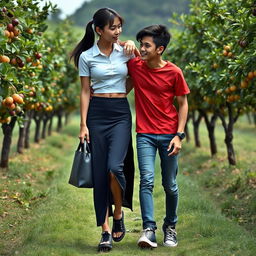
(181, 135)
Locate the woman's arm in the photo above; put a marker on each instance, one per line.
(130, 47)
(84, 104)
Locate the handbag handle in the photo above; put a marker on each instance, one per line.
(84, 147)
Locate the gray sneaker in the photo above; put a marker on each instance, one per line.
(147, 239)
(170, 236)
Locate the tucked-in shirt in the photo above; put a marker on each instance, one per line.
(108, 73)
(155, 90)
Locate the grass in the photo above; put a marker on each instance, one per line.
(231, 187)
(62, 221)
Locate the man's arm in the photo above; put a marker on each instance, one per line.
(129, 85)
(183, 113)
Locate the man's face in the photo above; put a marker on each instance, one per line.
(148, 48)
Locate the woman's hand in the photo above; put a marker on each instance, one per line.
(129, 47)
(84, 134)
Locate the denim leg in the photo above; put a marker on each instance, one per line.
(169, 166)
(146, 151)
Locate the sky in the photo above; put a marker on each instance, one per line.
(67, 6)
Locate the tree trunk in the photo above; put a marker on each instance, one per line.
(254, 118)
(50, 125)
(187, 130)
(21, 140)
(45, 121)
(196, 122)
(7, 141)
(38, 119)
(67, 118)
(27, 128)
(210, 124)
(228, 127)
(248, 114)
(59, 124)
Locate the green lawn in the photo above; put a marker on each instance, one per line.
(50, 217)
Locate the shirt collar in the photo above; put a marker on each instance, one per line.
(96, 51)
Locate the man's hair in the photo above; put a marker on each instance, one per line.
(159, 33)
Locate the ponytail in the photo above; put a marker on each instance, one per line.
(101, 18)
(86, 43)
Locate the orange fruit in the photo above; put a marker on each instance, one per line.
(244, 84)
(8, 100)
(4, 59)
(16, 32)
(250, 75)
(12, 106)
(227, 48)
(7, 33)
(225, 53)
(30, 30)
(13, 61)
(230, 54)
(232, 88)
(17, 98)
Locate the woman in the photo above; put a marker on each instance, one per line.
(106, 119)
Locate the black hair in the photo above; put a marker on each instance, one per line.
(160, 34)
(101, 18)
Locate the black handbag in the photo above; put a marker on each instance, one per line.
(81, 172)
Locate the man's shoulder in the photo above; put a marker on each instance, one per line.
(173, 67)
(135, 61)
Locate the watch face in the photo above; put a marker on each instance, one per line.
(181, 135)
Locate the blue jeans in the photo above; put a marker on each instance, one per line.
(147, 145)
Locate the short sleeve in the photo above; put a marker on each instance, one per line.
(181, 87)
(83, 66)
(131, 65)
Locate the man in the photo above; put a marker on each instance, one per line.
(159, 126)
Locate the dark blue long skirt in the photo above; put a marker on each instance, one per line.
(109, 123)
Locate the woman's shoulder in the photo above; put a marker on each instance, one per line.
(87, 54)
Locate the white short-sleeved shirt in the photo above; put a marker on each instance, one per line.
(108, 73)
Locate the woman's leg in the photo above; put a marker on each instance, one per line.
(119, 139)
(105, 226)
(117, 197)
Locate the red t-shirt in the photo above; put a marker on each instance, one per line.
(155, 90)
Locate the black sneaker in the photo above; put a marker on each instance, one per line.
(147, 239)
(105, 244)
(170, 236)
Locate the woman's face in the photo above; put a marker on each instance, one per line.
(111, 33)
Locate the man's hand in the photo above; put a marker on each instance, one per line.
(174, 146)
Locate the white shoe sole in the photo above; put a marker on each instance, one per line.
(169, 245)
(146, 243)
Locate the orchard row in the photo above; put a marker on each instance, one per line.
(216, 51)
(36, 79)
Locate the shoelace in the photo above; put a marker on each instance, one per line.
(170, 234)
(147, 229)
(105, 237)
